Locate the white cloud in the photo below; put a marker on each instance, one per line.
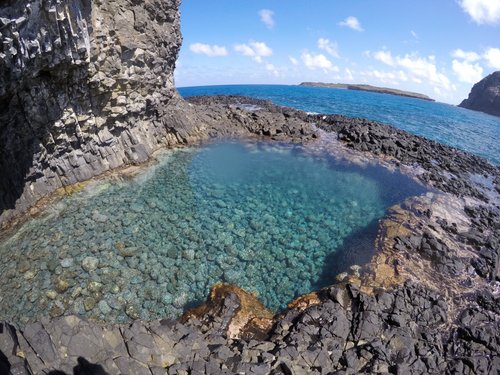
(425, 69)
(466, 71)
(414, 34)
(209, 50)
(412, 67)
(392, 77)
(348, 74)
(255, 50)
(469, 56)
(328, 46)
(293, 60)
(319, 61)
(267, 18)
(384, 56)
(482, 11)
(352, 23)
(272, 69)
(492, 56)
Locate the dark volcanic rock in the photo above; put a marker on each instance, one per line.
(409, 328)
(447, 168)
(485, 95)
(389, 332)
(85, 87)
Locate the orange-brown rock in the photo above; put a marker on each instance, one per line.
(241, 312)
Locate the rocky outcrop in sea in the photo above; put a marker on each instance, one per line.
(86, 87)
(485, 95)
(369, 88)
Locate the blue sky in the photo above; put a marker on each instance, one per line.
(436, 47)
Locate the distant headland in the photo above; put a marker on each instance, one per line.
(381, 90)
(485, 95)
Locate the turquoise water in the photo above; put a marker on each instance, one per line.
(278, 220)
(471, 131)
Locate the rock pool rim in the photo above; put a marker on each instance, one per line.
(315, 151)
(444, 328)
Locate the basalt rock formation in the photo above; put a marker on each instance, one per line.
(85, 86)
(485, 95)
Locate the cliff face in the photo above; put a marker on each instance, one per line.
(485, 95)
(85, 86)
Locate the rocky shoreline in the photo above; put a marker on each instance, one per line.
(87, 88)
(427, 302)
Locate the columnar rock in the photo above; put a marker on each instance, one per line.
(485, 95)
(85, 86)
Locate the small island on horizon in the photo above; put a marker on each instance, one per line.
(370, 88)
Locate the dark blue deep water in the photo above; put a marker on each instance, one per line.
(471, 131)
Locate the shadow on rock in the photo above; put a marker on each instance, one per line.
(84, 367)
(4, 364)
(358, 248)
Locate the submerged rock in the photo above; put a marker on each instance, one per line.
(89, 264)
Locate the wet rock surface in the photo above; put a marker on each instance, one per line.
(401, 331)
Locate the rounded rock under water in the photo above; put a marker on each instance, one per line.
(274, 219)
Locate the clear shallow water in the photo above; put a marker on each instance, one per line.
(276, 220)
(471, 131)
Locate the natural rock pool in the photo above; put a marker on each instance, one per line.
(279, 220)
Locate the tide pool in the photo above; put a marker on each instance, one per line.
(277, 220)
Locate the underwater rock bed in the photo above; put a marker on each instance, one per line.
(278, 220)
(427, 304)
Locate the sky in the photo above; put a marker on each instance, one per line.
(436, 47)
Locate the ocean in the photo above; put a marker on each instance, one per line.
(472, 131)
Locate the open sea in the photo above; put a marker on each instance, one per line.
(472, 131)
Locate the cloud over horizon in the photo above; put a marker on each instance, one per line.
(330, 47)
(255, 50)
(466, 71)
(492, 57)
(416, 69)
(318, 61)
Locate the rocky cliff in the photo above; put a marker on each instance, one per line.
(85, 86)
(485, 95)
